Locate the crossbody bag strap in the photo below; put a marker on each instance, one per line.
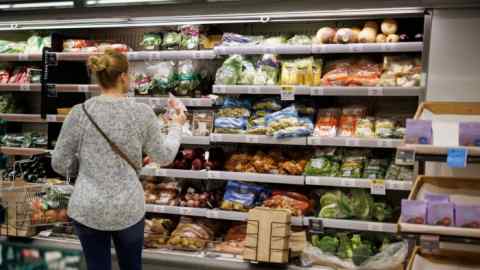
(114, 147)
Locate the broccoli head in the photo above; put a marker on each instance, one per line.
(381, 211)
(328, 244)
(345, 247)
(361, 253)
(356, 241)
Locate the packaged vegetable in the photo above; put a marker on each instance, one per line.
(230, 125)
(163, 76)
(232, 39)
(467, 216)
(171, 40)
(232, 102)
(157, 232)
(143, 84)
(324, 35)
(414, 211)
(440, 213)
(202, 123)
(151, 41)
(375, 169)
(187, 78)
(229, 72)
(279, 40)
(337, 73)
(267, 70)
(327, 122)
(401, 71)
(247, 73)
(305, 108)
(234, 241)
(303, 128)
(384, 128)
(365, 128)
(323, 166)
(289, 74)
(297, 203)
(347, 126)
(419, 132)
(190, 37)
(352, 166)
(365, 72)
(267, 104)
(192, 234)
(300, 40)
(240, 196)
(233, 112)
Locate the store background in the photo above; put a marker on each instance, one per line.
(453, 60)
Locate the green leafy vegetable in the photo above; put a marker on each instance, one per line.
(361, 253)
(345, 247)
(328, 244)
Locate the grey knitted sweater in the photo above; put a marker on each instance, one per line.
(108, 195)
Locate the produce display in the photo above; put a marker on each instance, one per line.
(234, 241)
(297, 203)
(357, 204)
(157, 232)
(51, 207)
(241, 196)
(163, 193)
(7, 103)
(437, 209)
(19, 74)
(27, 140)
(354, 251)
(34, 44)
(337, 162)
(31, 170)
(196, 159)
(186, 38)
(92, 46)
(192, 234)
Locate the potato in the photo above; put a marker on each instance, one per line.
(355, 32)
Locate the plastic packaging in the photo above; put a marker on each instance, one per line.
(151, 41)
(300, 40)
(163, 76)
(191, 234)
(419, 132)
(267, 70)
(365, 128)
(414, 211)
(234, 241)
(297, 203)
(267, 104)
(171, 40)
(190, 37)
(327, 122)
(240, 196)
(375, 169)
(188, 78)
(230, 125)
(143, 84)
(440, 213)
(229, 72)
(467, 216)
(384, 128)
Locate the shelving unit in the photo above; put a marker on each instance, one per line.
(19, 151)
(32, 118)
(354, 182)
(11, 87)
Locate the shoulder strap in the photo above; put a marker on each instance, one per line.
(114, 147)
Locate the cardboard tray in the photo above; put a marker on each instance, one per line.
(455, 259)
(451, 183)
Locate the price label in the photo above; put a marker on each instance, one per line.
(423, 79)
(186, 211)
(219, 89)
(385, 143)
(83, 88)
(213, 175)
(352, 142)
(251, 139)
(287, 93)
(315, 226)
(197, 55)
(216, 137)
(159, 209)
(269, 50)
(347, 182)
(161, 172)
(254, 90)
(45, 233)
(405, 157)
(387, 47)
(375, 227)
(24, 87)
(23, 57)
(213, 214)
(457, 157)
(318, 91)
(356, 48)
(375, 91)
(377, 187)
(51, 118)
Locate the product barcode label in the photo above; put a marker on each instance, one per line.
(254, 90)
(251, 139)
(347, 182)
(219, 89)
(186, 211)
(375, 227)
(356, 47)
(405, 157)
(387, 47)
(352, 142)
(317, 91)
(377, 187)
(25, 87)
(375, 91)
(213, 214)
(213, 175)
(159, 209)
(161, 172)
(83, 88)
(51, 118)
(287, 93)
(269, 49)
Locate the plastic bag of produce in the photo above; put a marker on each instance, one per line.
(229, 72)
(187, 78)
(230, 125)
(233, 112)
(34, 44)
(297, 203)
(327, 122)
(232, 39)
(375, 169)
(267, 70)
(337, 73)
(232, 102)
(142, 84)
(365, 72)
(300, 40)
(190, 37)
(391, 257)
(247, 74)
(192, 234)
(171, 40)
(151, 41)
(240, 196)
(322, 166)
(267, 104)
(303, 128)
(163, 76)
(352, 166)
(157, 232)
(365, 128)
(384, 128)
(234, 241)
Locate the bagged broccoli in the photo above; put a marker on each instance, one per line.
(163, 76)
(267, 70)
(375, 169)
(247, 74)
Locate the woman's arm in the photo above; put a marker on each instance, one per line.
(161, 148)
(64, 157)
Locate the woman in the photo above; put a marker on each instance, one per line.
(108, 199)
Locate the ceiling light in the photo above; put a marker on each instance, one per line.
(38, 5)
(114, 2)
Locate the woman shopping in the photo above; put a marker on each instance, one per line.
(103, 140)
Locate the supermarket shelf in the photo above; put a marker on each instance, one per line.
(20, 151)
(354, 142)
(257, 177)
(20, 57)
(261, 139)
(143, 55)
(423, 149)
(357, 225)
(175, 173)
(320, 90)
(322, 48)
(189, 102)
(438, 230)
(32, 118)
(77, 88)
(208, 213)
(257, 89)
(196, 140)
(262, 49)
(354, 182)
(367, 91)
(368, 48)
(15, 87)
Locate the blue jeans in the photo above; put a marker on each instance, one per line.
(96, 246)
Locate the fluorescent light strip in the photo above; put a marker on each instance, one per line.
(38, 5)
(109, 2)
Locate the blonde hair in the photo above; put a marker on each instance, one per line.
(108, 67)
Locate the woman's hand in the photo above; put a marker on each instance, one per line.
(179, 117)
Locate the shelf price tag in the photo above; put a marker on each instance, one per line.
(161, 172)
(375, 227)
(317, 91)
(269, 50)
(352, 142)
(83, 88)
(51, 118)
(375, 91)
(24, 87)
(347, 182)
(377, 187)
(457, 157)
(251, 139)
(213, 214)
(254, 90)
(186, 211)
(287, 93)
(355, 48)
(405, 157)
(213, 175)
(23, 57)
(159, 209)
(219, 89)
(315, 226)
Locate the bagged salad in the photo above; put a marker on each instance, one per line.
(326, 162)
(151, 41)
(163, 77)
(171, 40)
(229, 72)
(230, 125)
(287, 123)
(187, 78)
(190, 37)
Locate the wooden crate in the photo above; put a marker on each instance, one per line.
(444, 182)
(468, 259)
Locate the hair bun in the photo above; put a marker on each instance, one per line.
(98, 63)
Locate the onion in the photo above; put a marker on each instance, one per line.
(389, 27)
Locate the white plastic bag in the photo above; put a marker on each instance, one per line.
(173, 105)
(391, 258)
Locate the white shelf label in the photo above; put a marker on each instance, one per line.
(25, 87)
(251, 139)
(213, 175)
(318, 91)
(269, 50)
(387, 47)
(23, 57)
(355, 48)
(161, 172)
(287, 93)
(352, 142)
(347, 183)
(186, 211)
(375, 91)
(384, 143)
(375, 227)
(213, 214)
(377, 187)
(51, 118)
(254, 90)
(159, 208)
(220, 89)
(216, 137)
(83, 88)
